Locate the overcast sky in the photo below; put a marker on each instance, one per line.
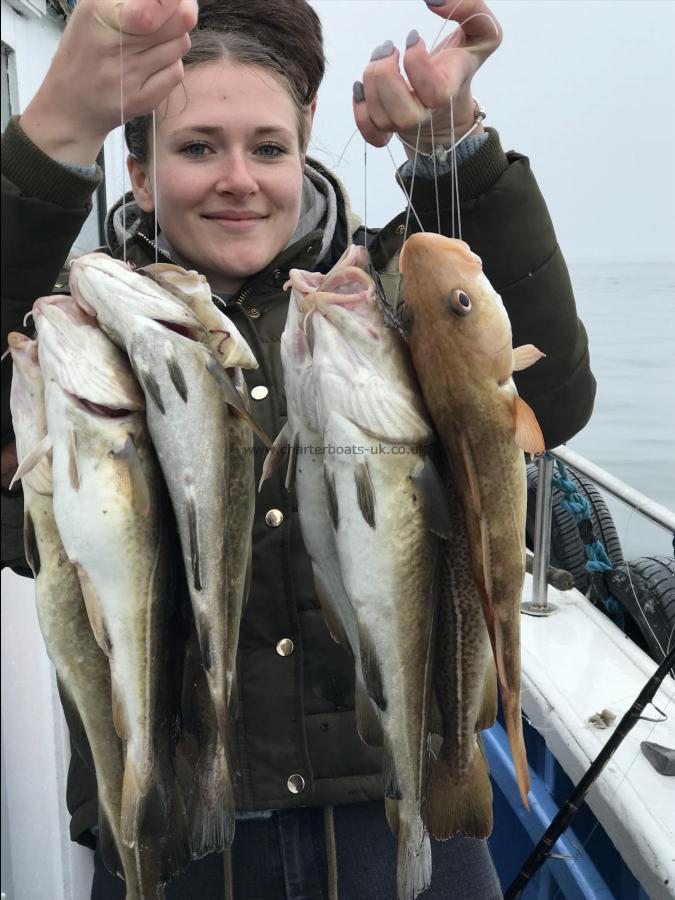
(585, 88)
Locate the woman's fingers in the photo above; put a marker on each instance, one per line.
(437, 77)
(163, 18)
(371, 133)
(391, 104)
(478, 25)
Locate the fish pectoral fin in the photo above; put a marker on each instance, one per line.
(428, 482)
(31, 459)
(234, 399)
(525, 356)
(131, 479)
(94, 608)
(528, 433)
(275, 455)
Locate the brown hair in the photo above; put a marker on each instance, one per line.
(291, 29)
(283, 37)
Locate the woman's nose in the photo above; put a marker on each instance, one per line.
(237, 176)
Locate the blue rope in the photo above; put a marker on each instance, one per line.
(597, 560)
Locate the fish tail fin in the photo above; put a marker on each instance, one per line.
(413, 872)
(455, 805)
(212, 807)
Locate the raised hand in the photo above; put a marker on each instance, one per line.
(111, 49)
(387, 103)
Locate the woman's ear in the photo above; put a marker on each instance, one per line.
(140, 185)
(310, 119)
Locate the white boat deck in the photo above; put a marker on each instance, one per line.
(576, 663)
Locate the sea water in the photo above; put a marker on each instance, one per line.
(629, 312)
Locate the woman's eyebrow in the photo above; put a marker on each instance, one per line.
(216, 130)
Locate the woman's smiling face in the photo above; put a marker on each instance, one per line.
(229, 171)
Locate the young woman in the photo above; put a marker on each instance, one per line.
(237, 199)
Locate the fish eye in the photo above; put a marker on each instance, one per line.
(459, 302)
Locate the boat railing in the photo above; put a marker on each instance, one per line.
(650, 509)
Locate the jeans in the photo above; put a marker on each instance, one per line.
(283, 857)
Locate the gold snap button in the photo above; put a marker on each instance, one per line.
(254, 313)
(274, 518)
(296, 784)
(400, 229)
(259, 392)
(285, 647)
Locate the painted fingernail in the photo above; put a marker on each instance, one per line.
(359, 92)
(412, 38)
(383, 51)
(435, 2)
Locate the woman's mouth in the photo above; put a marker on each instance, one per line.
(236, 221)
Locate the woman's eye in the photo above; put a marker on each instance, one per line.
(194, 150)
(270, 151)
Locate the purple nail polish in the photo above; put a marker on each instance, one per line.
(359, 92)
(383, 51)
(412, 38)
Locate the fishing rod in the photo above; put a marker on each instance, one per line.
(571, 807)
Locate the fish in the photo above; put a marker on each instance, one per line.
(375, 436)
(188, 397)
(108, 507)
(234, 354)
(461, 345)
(82, 669)
(225, 340)
(302, 440)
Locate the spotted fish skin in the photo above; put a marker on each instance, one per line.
(458, 796)
(461, 344)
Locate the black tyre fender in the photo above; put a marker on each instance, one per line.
(567, 546)
(645, 587)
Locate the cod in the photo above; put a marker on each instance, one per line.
(375, 437)
(188, 397)
(460, 339)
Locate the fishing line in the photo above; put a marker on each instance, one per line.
(433, 156)
(341, 156)
(453, 167)
(408, 196)
(155, 190)
(365, 193)
(124, 195)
